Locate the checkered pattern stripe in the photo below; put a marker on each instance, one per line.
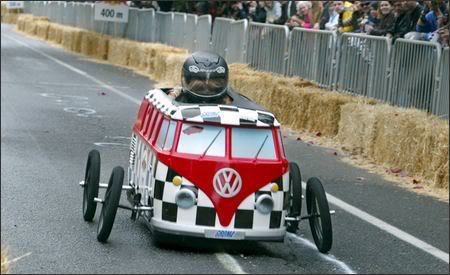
(133, 149)
(203, 212)
(223, 114)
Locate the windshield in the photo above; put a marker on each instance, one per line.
(202, 140)
(252, 143)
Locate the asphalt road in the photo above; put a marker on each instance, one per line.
(56, 106)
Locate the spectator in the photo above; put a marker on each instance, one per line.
(239, 10)
(333, 22)
(427, 25)
(165, 6)
(407, 14)
(345, 18)
(257, 12)
(316, 11)
(303, 17)
(284, 13)
(360, 15)
(326, 12)
(387, 19)
(273, 10)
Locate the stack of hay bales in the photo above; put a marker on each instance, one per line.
(42, 29)
(403, 139)
(71, 39)
(94, 44)
(9, 16)
(119, 51)
(55, 32)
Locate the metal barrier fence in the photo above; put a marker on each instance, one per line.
(220, 32)
(237, 42)
(414, 73)
(441, 100)
(363, 63)
(267, 46)
(312, 55)
(203, 33)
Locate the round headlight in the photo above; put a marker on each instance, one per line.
(185, 198)
(264, 204)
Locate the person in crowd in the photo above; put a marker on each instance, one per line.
(284, 13)
(303, 18)
(316, 12)
(406, 15)
(165, 6)
(428, 23)
(345, 18)
(386, 19)
(239, 10)
(257, 12)
(326, 13)
(273, 11)
(333, 22)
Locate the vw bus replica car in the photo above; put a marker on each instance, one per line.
(208, 170)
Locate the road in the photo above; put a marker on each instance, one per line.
(56, 106)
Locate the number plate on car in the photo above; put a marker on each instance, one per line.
(224, 234)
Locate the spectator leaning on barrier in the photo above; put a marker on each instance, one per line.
(284, 13)
(333, 22)
(345, 18)
(326, 12)
(303, 17)
(316, 11)
(386, 19)
(256, 12)
(273, 10)
(407, 14)
(428, 23)
(239, 10)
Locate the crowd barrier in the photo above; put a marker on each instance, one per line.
(311, 55)
(408, 73)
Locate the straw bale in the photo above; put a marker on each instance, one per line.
(10, 18)
(94, 44)
(71, 38)
(155, 49)
(54, 33)
(119, 51)
(174, 63)
(357, 128)
(42, 29)
(413, 141)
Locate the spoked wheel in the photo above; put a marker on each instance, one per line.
(295, 196)
(319, 212)
(110, 205)
(91, 181)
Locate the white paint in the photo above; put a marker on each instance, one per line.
(328, 257)
(84, 112)
(402, 235)
(16, 259)
(341, 204)
(229, 263)
(112, 13)
(102, 144)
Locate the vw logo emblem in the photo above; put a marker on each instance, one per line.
(227, 182)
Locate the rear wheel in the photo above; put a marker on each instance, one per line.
(295, 196)
(110, 205)
(319, 212)
(91, 182)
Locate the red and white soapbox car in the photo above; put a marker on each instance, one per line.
(211, 171)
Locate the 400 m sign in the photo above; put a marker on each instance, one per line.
(111, 12)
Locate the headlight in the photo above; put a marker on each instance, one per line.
(185, 198)
(264, 204)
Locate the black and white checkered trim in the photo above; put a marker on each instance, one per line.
(222, 114)
(203, 212)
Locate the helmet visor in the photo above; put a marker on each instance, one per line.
(209, 87)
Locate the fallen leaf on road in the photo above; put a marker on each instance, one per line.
(319, 134)
(361, 178)
(415, 181)
(418, 187)
(299, 138)
(103, 93)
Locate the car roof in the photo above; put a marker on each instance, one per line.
(242, 112)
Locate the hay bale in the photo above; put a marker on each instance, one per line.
(71, 38)
(413, 141)
(10, 18)
(42, 29)
(174, 63)
(54, 33)
(119, 51)
(357, 128)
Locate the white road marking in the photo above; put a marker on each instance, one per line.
(400, 234)
(230, 263)
(330, 258)
(16, 259)
(341, 204)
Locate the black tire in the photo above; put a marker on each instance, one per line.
(91, 182)
(295, 196)
(320, 222)
(110, 205)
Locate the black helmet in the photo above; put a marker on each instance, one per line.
(205, 76)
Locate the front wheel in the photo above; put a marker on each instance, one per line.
(319, 213)
(110, 205)
(91, 183)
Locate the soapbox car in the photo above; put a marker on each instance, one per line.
(208, 170)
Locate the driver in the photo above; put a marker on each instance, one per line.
(204, 79)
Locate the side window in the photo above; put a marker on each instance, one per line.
(280, 138)
(156, 126)
(149, 126)
(141, 117)
(166, 135)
